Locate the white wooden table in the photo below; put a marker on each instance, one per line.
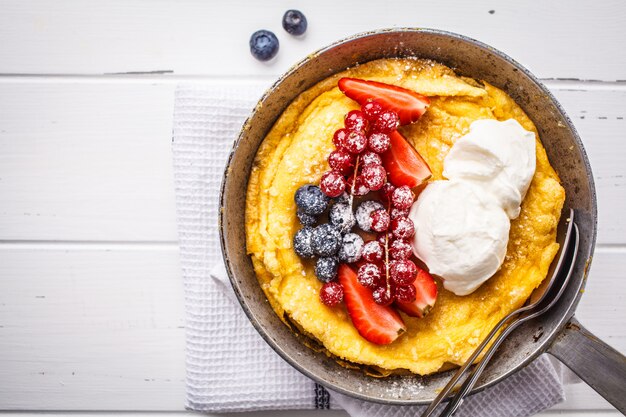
(91, 305)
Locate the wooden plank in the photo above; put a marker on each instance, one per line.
(85, 160)
(554, 39)
(91, 329)
(101, 328)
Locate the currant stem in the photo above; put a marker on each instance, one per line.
(387, 281)
(356, 171)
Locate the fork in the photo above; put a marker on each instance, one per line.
(523, 314)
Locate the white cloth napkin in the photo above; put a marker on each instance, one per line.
(229, 366)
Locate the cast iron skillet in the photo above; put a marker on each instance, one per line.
(556, 332)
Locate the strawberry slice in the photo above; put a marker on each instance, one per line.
(426, 290)
(408, 104)
(377, 324)
(404, 165)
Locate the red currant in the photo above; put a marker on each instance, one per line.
(380, 220)
(374, 176)
(386, 122)
(402, 197)
(402, 228)
(373, 251)
(341, 162)
(371, 158)
(333, 184)
(405, 293)
(369, 276)
(382, 296)
(397, 213)
(371, 110)
(385, 237)
(400, 249)
(402, 271)
(331, 293)
(359, 186)
(355, 121)
(355, 142)
(378, 142)
(386, 191)
(339, 138)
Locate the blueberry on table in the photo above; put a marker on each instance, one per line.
(303, 243)
(326, 268)
(263, 45)
(311, 200)
(326, 240)
(294, 22)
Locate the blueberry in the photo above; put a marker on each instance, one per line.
(326, 240)
(326, 268)
(351, 248)
(303, 242)
(341, 217)
(263, 45)
(364, 214)
(311, 200)
(306, 219)
(294, 22)
(343, 198)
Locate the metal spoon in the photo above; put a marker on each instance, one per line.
(532, 309)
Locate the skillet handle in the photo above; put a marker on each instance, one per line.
(595, 362)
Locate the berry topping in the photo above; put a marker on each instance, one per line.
(341, 217)
(408, 104)
(400, 249)
(371, 110)
(425, 295)
(341, 162)
(306, 219)
(378, 142)
(311, 200)
(402, 271)
(402, 228)
(326, 268)
(331, 294)
(355, 142)
(359, 187)
(263, 45)
(396, 213)
(373, 251)
(339, 138)
(382, 297)
(333, 184)
(402, 197)
(370, 276)
(351, 248)
(326, 240)
(386, 191)
(404, 164)
(355, 121)
(380, 220)
(387, 122)
(294, 22)
(405, 293)
(303, 242)
(385, 238)
(343, 198)
(374, 176)
(364, 214)
(371, 158)
(377, 324)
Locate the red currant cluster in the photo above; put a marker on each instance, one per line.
(389, 272)
(356, 165)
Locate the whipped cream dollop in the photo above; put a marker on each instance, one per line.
(462, 224)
